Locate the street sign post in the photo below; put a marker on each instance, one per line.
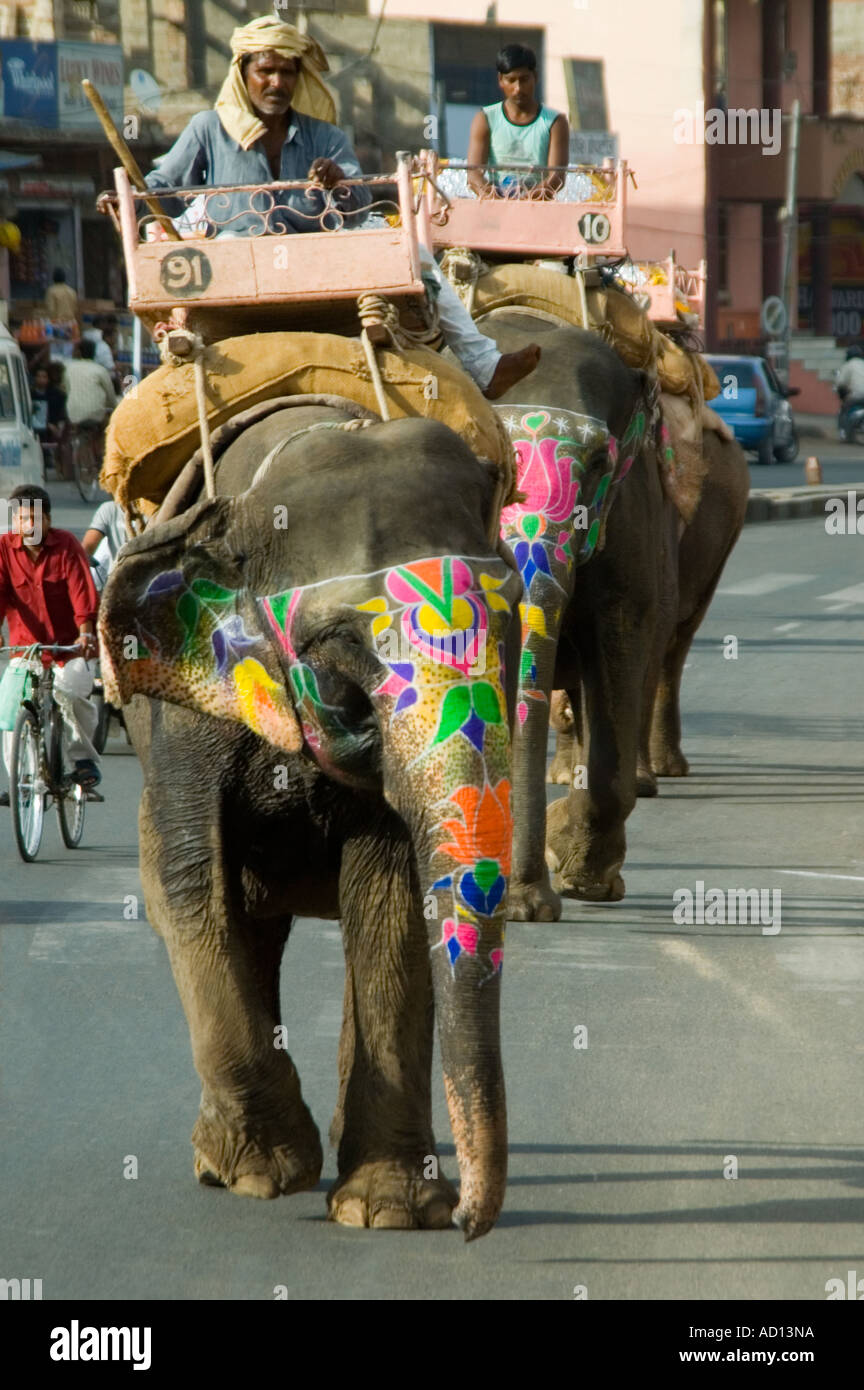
(773, 317)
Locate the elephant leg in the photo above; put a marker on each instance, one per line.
(531, 897)
(567, 748)
(646, 781)
(667, 758)
(388, 1167)
(254, 1133)
(585, 842)
(560, 770)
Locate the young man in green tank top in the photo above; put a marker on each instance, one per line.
(518, 131)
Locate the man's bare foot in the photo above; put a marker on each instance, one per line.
(512, 366)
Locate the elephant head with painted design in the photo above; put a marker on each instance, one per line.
(341, 612)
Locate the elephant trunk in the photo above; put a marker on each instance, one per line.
(447, 771)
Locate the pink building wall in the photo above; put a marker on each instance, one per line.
(800, 43)
(744, 40)
(745, 256)
(653, 65)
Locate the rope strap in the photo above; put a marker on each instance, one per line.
(177, 346)
(463, 268)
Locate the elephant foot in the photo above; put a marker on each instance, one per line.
(392, 1195)
(603, 891)
(253, 1166)
(560, 771)
(646, 782)
(533, 902)
(672, 764)
(581, 866)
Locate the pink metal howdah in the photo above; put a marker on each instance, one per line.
(590, 226)
(669, 293)
(259, 264)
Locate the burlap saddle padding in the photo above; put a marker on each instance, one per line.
(612, 313)
(154, 430)
(686, 380)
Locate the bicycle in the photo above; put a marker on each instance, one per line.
(86, 459)
(36, 764)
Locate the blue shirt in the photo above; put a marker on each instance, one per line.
(206, 155)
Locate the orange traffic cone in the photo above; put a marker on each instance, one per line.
(813, 470)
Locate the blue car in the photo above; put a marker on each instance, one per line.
(755, 407)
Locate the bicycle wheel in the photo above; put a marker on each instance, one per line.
(27, 786)
(69, 798)
(86, 466)
(71, 804)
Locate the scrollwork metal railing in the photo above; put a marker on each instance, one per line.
(571, 183)
(274, 209)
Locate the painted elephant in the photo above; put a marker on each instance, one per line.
(595, 542)
(324, 648)
(703, 549)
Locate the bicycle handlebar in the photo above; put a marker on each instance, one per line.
(36, 647)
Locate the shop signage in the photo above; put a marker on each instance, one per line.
(70, 186)
(29, 73)
(102, 63)
(42, 82)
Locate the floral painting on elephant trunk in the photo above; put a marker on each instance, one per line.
(543, 530)
(446, 711)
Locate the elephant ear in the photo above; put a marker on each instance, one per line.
(202, 651)
(248, 694)
(264, 706)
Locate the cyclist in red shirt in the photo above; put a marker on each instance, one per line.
(47, 595)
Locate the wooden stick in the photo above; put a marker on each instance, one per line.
(126, 157)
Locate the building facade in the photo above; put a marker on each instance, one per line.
(698, 95)
(53, 155)
(695, 94)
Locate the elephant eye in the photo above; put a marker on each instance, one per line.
(341, 694)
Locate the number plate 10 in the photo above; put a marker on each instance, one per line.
(185, 272)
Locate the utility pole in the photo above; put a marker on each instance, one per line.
(789, 228)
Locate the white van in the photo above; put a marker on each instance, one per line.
(20, 450)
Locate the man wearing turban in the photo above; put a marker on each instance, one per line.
(273, 121)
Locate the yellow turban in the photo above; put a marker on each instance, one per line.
(311, 96)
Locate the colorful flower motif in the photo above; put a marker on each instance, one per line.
(485, 829)
(563, 553)
(545, 471)
(438, 613)
(531, 555)
(230, 639)
(457, 937)
(399, 684)
(442, 617)
(483, 887)
(279, 610)
(527, 667)
(260, 698)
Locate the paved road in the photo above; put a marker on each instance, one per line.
(705, 1043)
(842, 464)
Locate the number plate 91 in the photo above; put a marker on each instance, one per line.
(185, 272)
